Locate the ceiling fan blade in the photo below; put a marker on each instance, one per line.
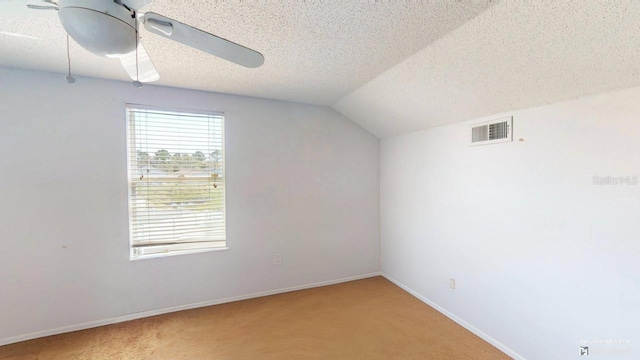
(136, 4)
(146, 72)
(201, 40)
(41, 7)
(24, 9)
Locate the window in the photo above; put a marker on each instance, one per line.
(176, 182)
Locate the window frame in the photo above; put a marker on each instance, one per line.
(141, 107)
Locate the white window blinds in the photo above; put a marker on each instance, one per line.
(176, 179)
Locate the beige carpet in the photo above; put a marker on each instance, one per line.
(365, 319)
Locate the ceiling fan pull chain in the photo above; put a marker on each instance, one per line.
(70, 79)
(137, 83)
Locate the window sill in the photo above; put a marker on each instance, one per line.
(175, 253)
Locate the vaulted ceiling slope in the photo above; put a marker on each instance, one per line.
(514, 55)
(316, 51)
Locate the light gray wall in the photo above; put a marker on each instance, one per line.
(542, 257)
(302, 181)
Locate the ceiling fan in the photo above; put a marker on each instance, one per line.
(110, 28)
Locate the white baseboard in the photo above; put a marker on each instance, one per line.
(144, 314)
(458, 320)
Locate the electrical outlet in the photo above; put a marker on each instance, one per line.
(452, 284)
(277, 259)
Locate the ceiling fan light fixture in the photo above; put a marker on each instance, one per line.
(105, 28)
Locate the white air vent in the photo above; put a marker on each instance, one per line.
(492, 132)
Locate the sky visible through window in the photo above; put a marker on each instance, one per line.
(177, 132)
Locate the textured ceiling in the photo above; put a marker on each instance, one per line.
(514, 55)
(390, 66)
(316, 51)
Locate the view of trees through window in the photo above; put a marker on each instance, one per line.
(197, 180)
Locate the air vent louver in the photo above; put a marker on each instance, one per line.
(491, 132)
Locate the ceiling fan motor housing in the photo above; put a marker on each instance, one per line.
(103, 27)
